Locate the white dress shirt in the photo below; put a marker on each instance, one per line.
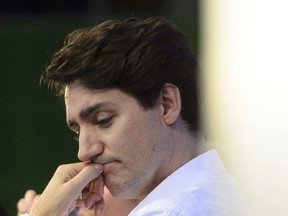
(201, 187)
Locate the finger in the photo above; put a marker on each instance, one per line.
(66, 172)
(29, 195)
(89, 188)
(98, 185)
(80, 203)
(82, 179)
(21, 206)
(91, 185)
(99, 208)
(36, 199)
(72, 207)
(85, 193)
(25, 204)
(92, 199)
(29, 198)
(85, 212)
(101, 185)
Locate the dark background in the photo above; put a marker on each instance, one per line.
(34, 138)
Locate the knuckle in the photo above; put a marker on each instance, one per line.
(61, 168)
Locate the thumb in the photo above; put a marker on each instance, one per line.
(85, 176)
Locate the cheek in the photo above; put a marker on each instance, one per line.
(130, 136)
(133, 138)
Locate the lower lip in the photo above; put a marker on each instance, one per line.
(110, 167)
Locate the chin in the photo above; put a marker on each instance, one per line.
(120, 189)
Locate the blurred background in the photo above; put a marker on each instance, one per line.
(34, 138)
(242, 46)
(245, 82)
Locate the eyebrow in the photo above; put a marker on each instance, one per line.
(88, 111)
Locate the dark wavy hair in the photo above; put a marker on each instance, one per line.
(138, 57)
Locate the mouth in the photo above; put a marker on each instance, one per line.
(109, 166)
(103, 162)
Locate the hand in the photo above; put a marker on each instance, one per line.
(92, 197)
(66, 186)
(25, 204)
(85, 212)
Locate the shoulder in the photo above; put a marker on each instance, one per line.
(212, 198)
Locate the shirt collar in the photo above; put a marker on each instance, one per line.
(189, 175)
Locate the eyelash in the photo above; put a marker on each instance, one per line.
(104, 123)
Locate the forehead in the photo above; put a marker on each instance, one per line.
(78, 97)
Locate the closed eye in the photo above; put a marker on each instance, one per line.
(105, 123)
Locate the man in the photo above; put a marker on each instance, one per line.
(131, 91)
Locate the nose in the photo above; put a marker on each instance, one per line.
(89, 145)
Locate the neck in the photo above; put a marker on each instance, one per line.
(187, 146)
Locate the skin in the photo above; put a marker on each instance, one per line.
(138, 148)
(62, 193)
(131, 149)
(25, 204)
(112, 206)
(107, 122)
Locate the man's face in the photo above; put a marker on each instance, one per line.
(116, 131)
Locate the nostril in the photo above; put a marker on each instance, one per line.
(80, 157)
(89, 152)
(83, 155)
(89, 144)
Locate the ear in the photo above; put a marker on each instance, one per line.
(171, 101)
